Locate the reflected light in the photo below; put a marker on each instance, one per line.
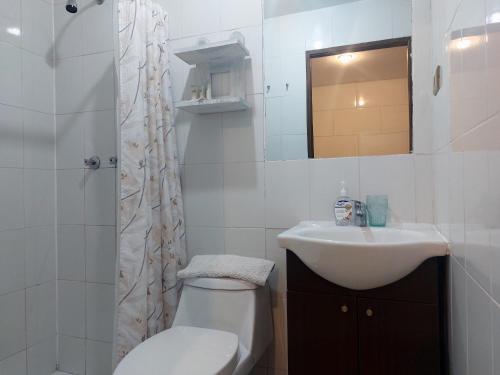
(468, 42)
(16, 31)
(346, 58)
(318, 44)
(361, 102)
(494, 18)
(464, 43)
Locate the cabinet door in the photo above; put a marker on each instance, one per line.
(322, 336)
(398, 338)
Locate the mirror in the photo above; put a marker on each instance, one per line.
(336, 78)
(359, 100)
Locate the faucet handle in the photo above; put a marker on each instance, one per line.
(93, 163)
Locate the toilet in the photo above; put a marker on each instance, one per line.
(222, 327)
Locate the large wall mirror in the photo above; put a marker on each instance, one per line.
(337, 78)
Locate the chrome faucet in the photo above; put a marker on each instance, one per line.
(359, 217)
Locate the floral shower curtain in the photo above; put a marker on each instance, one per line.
(152, 239)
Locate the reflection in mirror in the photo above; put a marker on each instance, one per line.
(293, 28)
(359, 100)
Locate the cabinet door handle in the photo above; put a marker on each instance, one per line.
(369, 313)
(344, 308)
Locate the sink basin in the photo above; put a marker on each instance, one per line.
(363, 258)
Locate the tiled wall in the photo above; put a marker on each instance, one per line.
(466, 125)
(27, 189)
(85, 126)
(361, 119)
(286, 39)
(235, 201)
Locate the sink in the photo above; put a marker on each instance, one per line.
(363, 258)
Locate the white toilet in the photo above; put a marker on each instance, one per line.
(222, 327)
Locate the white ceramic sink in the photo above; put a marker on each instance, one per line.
(363, 258)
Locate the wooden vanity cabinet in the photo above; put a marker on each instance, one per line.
(398, 329)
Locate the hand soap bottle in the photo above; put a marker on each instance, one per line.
(343, 207)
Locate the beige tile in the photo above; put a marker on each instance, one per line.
(395, 118)
(383, 93)
(384, 144)
(338, 146)
(323, 123)
(334, 97)
(356, 121)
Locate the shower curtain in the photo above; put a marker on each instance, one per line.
(152, 237)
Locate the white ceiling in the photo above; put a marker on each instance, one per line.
(375, 65)
(276, 8)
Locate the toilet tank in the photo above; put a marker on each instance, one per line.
(229, 305)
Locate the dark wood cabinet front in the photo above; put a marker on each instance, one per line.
(394, 330)
(398, 338)
(322, 327)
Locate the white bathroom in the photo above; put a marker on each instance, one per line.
(249, 187)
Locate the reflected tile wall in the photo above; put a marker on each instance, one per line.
(466, 146)
(286, 39)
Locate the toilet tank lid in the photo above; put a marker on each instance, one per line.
(220, 283)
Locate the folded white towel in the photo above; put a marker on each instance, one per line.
(254, 270)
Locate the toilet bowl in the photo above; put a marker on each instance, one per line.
(222, 327)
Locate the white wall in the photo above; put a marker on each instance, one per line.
(466, 133)
(27, 189)
(235, 201)
(85, 126)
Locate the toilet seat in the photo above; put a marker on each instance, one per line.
(183, 350)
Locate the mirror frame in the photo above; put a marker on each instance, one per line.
(379, 44)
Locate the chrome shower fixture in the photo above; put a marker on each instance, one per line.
(72, 5)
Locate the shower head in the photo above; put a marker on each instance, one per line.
(71, 6)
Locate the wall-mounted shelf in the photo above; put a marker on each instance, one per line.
(217, 105)
(213, 53)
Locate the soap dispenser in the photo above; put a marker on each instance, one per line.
(343, 207)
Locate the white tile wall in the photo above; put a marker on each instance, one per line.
(325, 176)
(244, 195)
(12, 324)
(27, 189)
(40, 245)
(12, 254)
(71, 252)
(70, 197)
(394, 176)
(466, 162)
(100, 312)
(11, 142)
(41, 309)
(100, 254)
(71, 308)
(15, 365)
(11, 199)
(42, 357)
(98, 356)
(86, 126)
(71, 356)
